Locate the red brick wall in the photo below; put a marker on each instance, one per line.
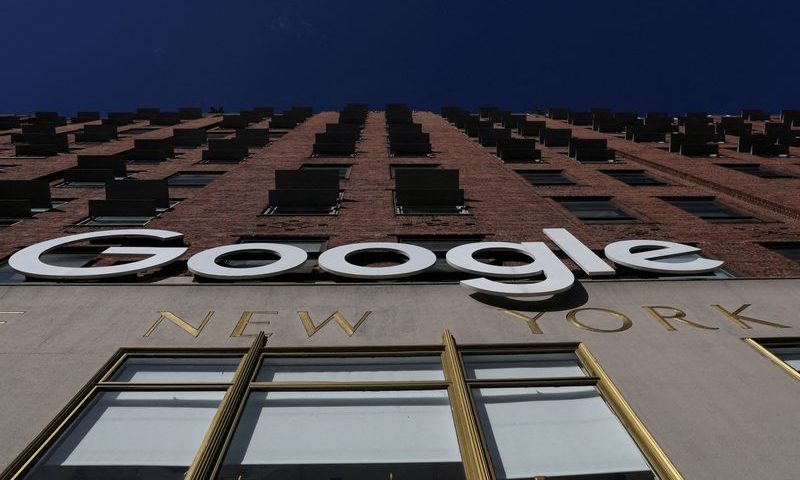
(503, 206)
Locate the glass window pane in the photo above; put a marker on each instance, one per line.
(545, 177)
(355, 369)
(595, 209)
(71, 259)
(116, 221)
(155, 369)
(687, 257)
(789, 250)
(309, 245)
(380, 434)
(192, 179)
(132, 435)
(790, 355)
(538, 365)
(342, 170)
(555, 431)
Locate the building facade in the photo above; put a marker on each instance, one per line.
(268, 341)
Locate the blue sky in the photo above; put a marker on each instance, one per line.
(638, 55)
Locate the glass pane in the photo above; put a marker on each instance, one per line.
(192, 179)
(355, 369)
(9, 275)
(307, 245)
(154, 369)
(687, 257)
(361, 435)
(554, 432)
(131, 435)
(790, 355)
(116, 221)
(432, 210)
(537, 365)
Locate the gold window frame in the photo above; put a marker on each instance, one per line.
(762, 346)
(469, 431)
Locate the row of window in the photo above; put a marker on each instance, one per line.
(606, 210)
(522, 411)
(424, 412)
(203, 178)
(637, 177)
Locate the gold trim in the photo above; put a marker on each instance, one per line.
(539, 382)
(356, 351)
(208, 456)
(473, 456)
(330, 386)
(764, 351)
(662, 465)
(472, 444)
(191, 352)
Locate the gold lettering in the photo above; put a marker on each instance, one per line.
(740, 320)
(677, 315)
(11, 312)
(183, 324)
(246, 319)
(572, 316)
(531, 321)
(349, 329)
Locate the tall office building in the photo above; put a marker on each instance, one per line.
(399, 294)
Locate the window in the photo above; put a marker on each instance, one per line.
(719, 273)
(425, 191)
(394, 168)
(9, 221)
(526, 427)
(66, 257)
(12, 218)
(136, 131)
(440, 245)
(755, 169)
(89, 179)
(322, 208)
(430, 209)
(539, 410)
(790, 250)
(192, 179)
(545, 177)
(115, 221)
(86, 184)
(313, 246)
(125, 220)
(783, 352)
(633, 177)
(220, 134)
(595, 209)
(305, 192)
(708, 208)
(342, 170)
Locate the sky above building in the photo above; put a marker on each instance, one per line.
(683, 55)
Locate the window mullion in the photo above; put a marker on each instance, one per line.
(475, 465)
(206, 460)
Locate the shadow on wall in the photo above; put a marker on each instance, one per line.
(575, 297)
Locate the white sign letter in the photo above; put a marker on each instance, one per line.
(625, 253)
(335, 260)
(204, 263)
(558, 277)
(28, 262)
